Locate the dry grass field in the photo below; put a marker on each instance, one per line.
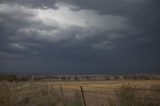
(96, 93)
(105, 84)
(100, 93)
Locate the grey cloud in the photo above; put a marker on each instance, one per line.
(28, 43)
(25, 27)
(33, 3)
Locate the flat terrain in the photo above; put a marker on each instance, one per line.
(104, 84)
(97, 93)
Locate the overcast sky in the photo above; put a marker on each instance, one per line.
(80, 36)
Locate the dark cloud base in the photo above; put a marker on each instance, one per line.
(134, 50)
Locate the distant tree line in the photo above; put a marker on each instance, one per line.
(15, 78)
(18, 78)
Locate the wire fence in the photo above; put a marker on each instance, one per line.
(95, 96)
(101, 96)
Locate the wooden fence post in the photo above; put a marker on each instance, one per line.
(47, 87)
(9, 95)
(61, 90)
(84, 101)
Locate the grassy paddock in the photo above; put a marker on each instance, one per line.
(97, 93)
(104, 84)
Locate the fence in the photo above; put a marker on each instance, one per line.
(96, 96)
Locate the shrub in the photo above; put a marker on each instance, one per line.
(4, 94)
(127, 95)
(76, 101)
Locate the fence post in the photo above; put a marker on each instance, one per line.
(61, 90)
(47, 89)
(9, 95)
(84, 101)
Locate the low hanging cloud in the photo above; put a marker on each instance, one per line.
(60, 24)
(77, 30)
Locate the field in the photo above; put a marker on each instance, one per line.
(68, 93)
(106, 84)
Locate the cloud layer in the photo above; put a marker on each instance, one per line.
(79, 36)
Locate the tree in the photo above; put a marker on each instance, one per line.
(63, 78)
(76, 78)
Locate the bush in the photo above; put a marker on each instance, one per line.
(127, 95)
(4, 94)
(76, 101)
(9, 78)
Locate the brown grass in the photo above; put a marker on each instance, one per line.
(97, 93)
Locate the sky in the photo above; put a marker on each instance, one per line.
(80, 36)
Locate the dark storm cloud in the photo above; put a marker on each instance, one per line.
(33, 3)
(143, 14)
(95, 36)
